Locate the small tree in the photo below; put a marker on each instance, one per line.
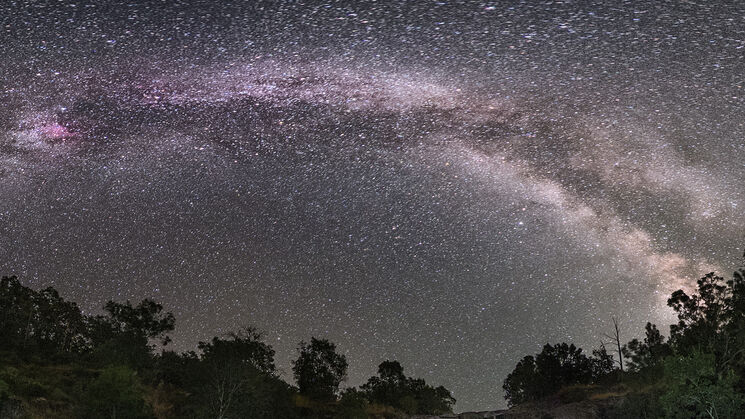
(602, 363)
(389, 386)
(234, 371)
(319, 370)
(647, 353)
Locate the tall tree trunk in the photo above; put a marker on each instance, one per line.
(618, 343)
(616, 338)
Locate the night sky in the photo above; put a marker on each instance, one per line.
(448, 184)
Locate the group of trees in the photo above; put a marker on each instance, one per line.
(124, 370)
(43, 323)
(698, 372)
(412, 395)
(556, 366)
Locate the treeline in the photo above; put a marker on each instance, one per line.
(57, 362)
(699, 371)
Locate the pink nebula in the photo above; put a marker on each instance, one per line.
(55, 131)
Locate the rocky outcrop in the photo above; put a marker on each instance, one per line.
(585, 409)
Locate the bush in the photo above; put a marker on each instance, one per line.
(352, 405)
(639, 405)
(575, 393)
(696, 388)
(117, 392)
(31, 388)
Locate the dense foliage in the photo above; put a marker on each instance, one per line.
(699, 372)
(56, 361)
(411, 395)
(554, 367)
(319, 370)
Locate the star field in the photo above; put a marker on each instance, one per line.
(448, 184)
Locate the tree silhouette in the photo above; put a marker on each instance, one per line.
(602, 363)
(39, 322)
(233, 368)
(388, 387)
(146, 319)
(615, 338)
(244, 347)
(554, 367)
(649, 352)
(124, 335)
(319, 370)
(412, 395)
(709, 319)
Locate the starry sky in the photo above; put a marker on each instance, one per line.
(450, 184)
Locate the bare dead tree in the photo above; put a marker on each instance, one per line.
(616, 339)
(226, 381)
